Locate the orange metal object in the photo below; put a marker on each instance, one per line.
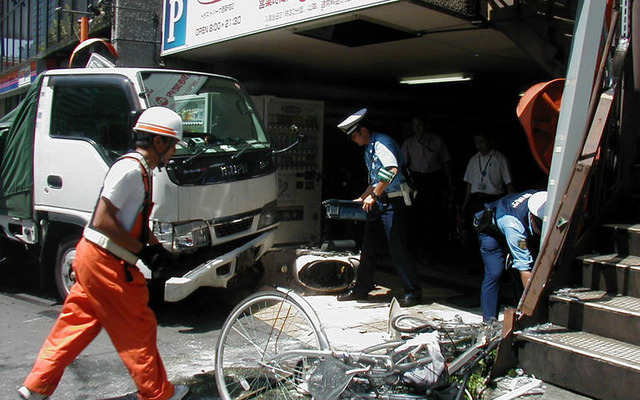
(82, 52)
(538, 111)
(84, 28)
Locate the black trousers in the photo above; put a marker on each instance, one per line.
(386, 232)
(429, 220)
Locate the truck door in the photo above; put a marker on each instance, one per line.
(83, 125)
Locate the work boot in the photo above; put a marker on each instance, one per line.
(27, 394)
(410, 299)
(179, 391)
(353, 294)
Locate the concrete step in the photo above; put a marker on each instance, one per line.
(623, 239)
(594, 311)
(611, 273)
(589, 364)
(631, 201)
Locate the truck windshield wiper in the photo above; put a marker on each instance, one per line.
(233, 157)
(248, 145)
(198, 154)
(210, 141)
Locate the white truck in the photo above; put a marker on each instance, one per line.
(215, 202)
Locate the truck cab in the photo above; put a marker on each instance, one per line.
(215, 202)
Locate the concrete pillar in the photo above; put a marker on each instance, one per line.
(572, 122)
(137, 32)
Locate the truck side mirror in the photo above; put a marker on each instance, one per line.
(131, 122)
(299, 137)
(133, 117)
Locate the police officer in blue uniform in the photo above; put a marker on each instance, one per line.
(385, 200)
(511, 224)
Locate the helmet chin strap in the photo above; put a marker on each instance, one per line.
(161, 162)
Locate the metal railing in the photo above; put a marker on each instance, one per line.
(33, 29)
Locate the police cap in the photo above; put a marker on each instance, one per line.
(353, 121)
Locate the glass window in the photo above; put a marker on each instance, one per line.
(218, 116)
(97, 114)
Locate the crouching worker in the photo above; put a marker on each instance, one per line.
(512, 225)
(110, 291)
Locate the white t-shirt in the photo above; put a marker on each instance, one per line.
(426, 153)
(124, 188)
(488, 174)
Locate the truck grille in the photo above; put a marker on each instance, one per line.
(232, 226)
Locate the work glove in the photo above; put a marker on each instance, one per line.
(155, 256)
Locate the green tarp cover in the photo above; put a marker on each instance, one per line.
(16, 159)
(7, 120)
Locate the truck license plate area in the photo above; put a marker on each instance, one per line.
(244, 261)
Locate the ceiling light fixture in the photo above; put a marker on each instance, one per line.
(441, 78)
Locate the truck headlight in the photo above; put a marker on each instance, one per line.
(191, 235)
(268, 216)
(163, 231)
(183, 237)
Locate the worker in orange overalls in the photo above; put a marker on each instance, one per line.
(110, 291)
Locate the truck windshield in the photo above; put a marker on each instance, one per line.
(218, 116)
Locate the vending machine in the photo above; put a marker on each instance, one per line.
(196, 111)
(299, 169)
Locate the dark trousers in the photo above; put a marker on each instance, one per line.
(476, 204)
(386, 232)
(493, 256)
(429, 215)
(478, 200)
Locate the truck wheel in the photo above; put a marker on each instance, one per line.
(64, 274)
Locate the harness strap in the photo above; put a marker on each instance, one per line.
(140, 228)
(103, 241)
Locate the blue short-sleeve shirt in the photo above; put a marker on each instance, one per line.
(383, 152)
(512, 218)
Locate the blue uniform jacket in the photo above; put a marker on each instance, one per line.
(512, 218)
(382, 151)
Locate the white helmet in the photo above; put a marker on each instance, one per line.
(160, 121)
(537, 203)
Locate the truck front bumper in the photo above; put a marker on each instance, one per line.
(219, 271)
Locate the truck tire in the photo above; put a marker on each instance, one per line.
(64, 275)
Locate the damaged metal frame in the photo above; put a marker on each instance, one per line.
(565, 215)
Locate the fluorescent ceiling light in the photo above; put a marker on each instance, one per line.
(418, 80)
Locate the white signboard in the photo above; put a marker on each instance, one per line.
(193, 23)
(162, 88)
(24, 76)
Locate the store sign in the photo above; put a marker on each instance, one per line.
(205, 22)
(18, 78)
(175, 23)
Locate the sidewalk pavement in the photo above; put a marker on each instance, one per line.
(354, 325)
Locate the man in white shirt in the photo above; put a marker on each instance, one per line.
(428, 161)
(488, 176)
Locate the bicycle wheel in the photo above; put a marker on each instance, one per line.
(263, 325)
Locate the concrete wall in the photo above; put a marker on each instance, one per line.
(137, 32)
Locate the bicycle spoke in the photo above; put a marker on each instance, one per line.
(251, 342)
(256, 331)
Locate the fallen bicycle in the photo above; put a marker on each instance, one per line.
(273, 346)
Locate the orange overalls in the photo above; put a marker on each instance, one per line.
(114, 296)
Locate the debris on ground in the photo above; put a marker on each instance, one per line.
(515, 385)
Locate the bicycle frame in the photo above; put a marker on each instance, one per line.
(289, 365)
